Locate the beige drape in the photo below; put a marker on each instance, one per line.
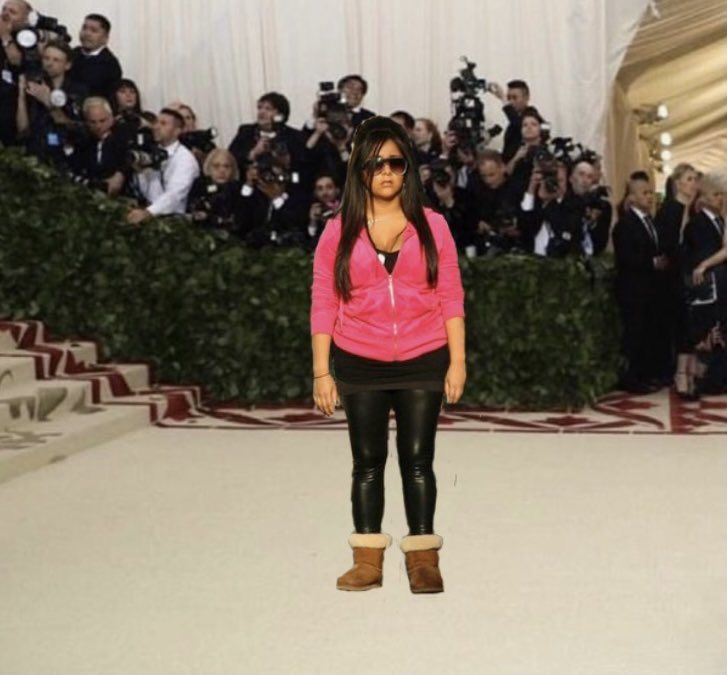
(679, 59)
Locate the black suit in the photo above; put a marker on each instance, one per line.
(257, 220)
(246, 138)
(565, 224)
(598, 229)
(97, 73)
(702, 239)
(642, 294)
(88, 162)
(513, 133)
(360, 116)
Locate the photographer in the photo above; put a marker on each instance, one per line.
(94, 65)
(354, 88)
(99, 160)
(520, 166)
(518, 100)
(550, 226)
(270, 133)
(199, 141)
(593, 202)
(406, 120)
(454, 203)
(497, 229)
(427, 140)
(329, 141)
(48, 105)
(14, 17)
(214, 198)
(270, 214)
(326, 200)
(165, 187)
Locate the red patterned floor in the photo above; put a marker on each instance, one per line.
(659, 413)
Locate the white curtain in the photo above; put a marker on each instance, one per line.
(221, 55)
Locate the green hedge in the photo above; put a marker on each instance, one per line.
(541, 333)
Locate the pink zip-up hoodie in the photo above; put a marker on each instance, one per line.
(390, 317)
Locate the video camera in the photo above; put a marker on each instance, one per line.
(468, 119)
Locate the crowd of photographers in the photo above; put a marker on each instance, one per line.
(276, 185)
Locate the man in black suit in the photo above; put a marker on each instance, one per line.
(101, 160)
(354, 88)
(94, 65)
(642, 290)
(496, 205)
(518, 99)
(271, 134)
(549, 224)
(595, 212)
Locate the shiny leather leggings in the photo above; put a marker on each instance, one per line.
(417, 412)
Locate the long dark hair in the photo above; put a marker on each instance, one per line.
(367, 142)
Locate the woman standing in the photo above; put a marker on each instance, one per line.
(388, 305)
(670, 221)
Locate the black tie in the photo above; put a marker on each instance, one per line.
(652, 230)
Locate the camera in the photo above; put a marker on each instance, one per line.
(546, 163)
(439, 173)
(28, 40)
(270, 170)
(217, 203)
(332, 106)
(468, 119)
(143, 152)
(202, 139)
(599, 198)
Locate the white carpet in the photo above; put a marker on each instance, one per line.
(174, 551)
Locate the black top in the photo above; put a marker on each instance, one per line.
(99, 73)
(358, 373)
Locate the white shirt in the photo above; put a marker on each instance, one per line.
(95, 52)
(167, 190)
(545, 233)
(643, 216)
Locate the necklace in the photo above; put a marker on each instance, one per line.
(371, 221)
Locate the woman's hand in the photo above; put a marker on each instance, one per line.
(454, 382)
(325, 394)
(698, 275)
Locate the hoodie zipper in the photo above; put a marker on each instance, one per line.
(393, 307)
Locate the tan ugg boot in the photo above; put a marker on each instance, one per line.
(368, 562)
(422, 562)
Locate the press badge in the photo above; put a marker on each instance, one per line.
(7, 76)
(54, 139)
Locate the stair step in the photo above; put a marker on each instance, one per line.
(42, 400)
(26, 447)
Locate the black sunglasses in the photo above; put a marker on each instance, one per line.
(398, 165)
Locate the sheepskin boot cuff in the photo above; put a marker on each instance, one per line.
(421, 542)
(370, 540)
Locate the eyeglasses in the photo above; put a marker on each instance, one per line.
(398, 165)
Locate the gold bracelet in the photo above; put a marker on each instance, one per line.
(315, 377)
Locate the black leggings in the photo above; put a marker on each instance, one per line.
(417, 412)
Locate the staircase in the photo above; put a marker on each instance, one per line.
(56, 399)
